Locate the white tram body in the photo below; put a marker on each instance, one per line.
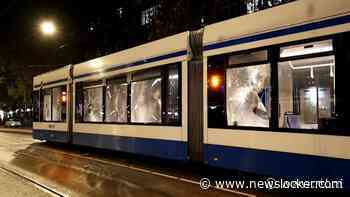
(156, 140)
(49, 80)
(167, 141)
(291, 139)
(276, 152)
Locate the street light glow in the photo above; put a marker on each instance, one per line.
(48, 28)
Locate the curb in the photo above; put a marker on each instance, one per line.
(20, 131)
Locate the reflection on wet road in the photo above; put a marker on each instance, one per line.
(75, 174)
(14, 186)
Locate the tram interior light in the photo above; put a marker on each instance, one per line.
(312, 48)
(64, 97)
(2, 114)
(331, 74)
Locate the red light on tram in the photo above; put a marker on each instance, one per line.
(215, 81)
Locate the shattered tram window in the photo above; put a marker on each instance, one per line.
(116, 101)
(248, 96)
(93, 104)
(146, 99)
(56, 104)
(47, 110)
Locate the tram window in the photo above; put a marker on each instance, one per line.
(52, 103)
(79, 102)
(142, 75)
(93, 103)
(173, 96)
(342, 105)
(248, 57)
(36, 106)
(216, 91)
(146, 100)
(306, 49)
(306, 92)
(47, 105)
(248, 96)
(59, 99)
(116, 101)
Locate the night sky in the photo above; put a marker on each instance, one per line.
(20, 19)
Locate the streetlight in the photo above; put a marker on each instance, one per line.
(48, 28)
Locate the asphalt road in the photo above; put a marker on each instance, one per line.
(74, 171)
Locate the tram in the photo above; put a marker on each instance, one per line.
(263, 93)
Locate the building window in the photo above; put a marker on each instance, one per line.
(148, 14)
(252, 6)
(256, 5)
(146, 102)
(116, 100)
(93, 103)
(306, 87)
(119, 12)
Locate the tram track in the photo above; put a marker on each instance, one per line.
(33, 182)
(156, 172)
(81, 171)
(48, 157)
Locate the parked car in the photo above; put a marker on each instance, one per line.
(13, 123)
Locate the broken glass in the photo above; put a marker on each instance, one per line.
(93, 104)
(56, 104)
(47, 105)
(146, 101)
(248, 96)
(116, 101)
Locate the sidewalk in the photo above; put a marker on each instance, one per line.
(16, 130)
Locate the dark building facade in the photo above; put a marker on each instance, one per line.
(93, 29)
(116, 26)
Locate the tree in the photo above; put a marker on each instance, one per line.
(15, 83)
